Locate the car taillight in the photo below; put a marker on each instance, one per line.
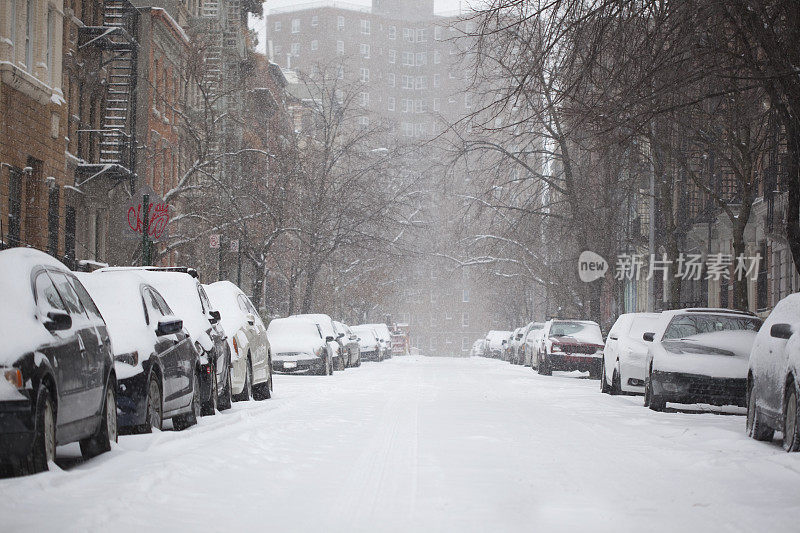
(235, 346)
(14, 376)
(131, 358)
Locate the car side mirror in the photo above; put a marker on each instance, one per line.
(329, 338)
(214, 316)
(649, 336)
(169, 326)
(251, 319)
(340, 335)
(781, 331)
(58, 321)
(358, 339)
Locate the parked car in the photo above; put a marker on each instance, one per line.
(478, 348)
(530, 342)
(368, 343)
(328, 330)
(299, 347)
(251, 370)
(157, 367)
(185, 295)
(385, 338)
(773, 377)
(349, 342)
(570, 345)
(496, 343)
(625, 354)
(59, 384)
(699, 355)
(514, 353)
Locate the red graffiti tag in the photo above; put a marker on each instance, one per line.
(159, 217)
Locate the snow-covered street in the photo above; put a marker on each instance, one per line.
(424, 444)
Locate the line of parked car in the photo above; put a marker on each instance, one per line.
(688, 356)
(85, 357)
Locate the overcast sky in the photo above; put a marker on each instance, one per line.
(258, 25)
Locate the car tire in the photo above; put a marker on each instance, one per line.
(604, 386)
(101, 441)
(791, 420)
(189, 419)
(209, 407)
(616, 381)
(654, 402)
(153, 417)
(756, 429)
(225, 400)
(44, 443)
(543, 368)
(247, 389)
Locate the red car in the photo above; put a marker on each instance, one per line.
(571, 345)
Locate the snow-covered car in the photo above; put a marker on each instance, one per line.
(477, 348)
(530, 342)
(625, 353)
(349, 342)
(368, 343)
(157, 367)
(58, 384)
(514, 353)
(773, 378)
(496, 341)
(251, 369)
(299, 347)
(699, 355)
(186, 297)
(328, 330)
(385, 338)
(570, 345)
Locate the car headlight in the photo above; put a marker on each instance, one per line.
(555, 348)
(14, 377)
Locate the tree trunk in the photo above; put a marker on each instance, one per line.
(308, 293)
(739, 285)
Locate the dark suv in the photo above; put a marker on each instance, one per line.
(56, 361)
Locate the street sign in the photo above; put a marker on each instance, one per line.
(213, 240)
(235, 245)
(158, 215)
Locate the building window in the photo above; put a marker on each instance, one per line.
(69, 235)
(408, 59)
(448, 316)
(408, 35)
(364, 48)
(408, 131)
(437, 57)
(314, 44)
(436, 104)
(465, 295)
(340, 22)
(14, 207)
(50, 46)
(406, 105)
(465, 320)
(295, 49)
(13, 28)
(315, 20)
(464, 344)
(390, 103)
(421, 82)
(421, 37)
(340, 72)
(392, 56)
(364, 75)
(436, 80)
(52, 221)
(365, 27)
(364, 99)
(295, 25)
(408, 81)
(392, 80)
(277, 25)
(29, 35)
(363, 121)
(393, 32)
(422, 59)
(340, 48)
(437, 33)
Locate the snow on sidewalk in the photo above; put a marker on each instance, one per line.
(425, 444)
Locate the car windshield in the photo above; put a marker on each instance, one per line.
(581, 331)
(686, 325)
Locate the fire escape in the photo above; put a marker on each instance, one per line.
(116, 139)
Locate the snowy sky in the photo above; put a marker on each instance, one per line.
(258, 25)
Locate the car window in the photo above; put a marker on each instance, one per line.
(86, 300)
(67, 293)
(162, 304)
(682, 326)
(153, 305)
(47, 297)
